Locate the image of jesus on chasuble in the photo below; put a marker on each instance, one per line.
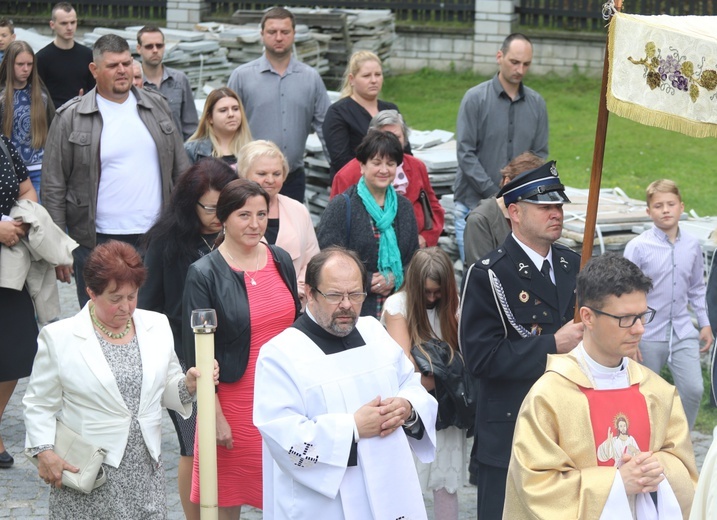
(570, 439)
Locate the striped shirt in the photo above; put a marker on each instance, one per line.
(677, 272)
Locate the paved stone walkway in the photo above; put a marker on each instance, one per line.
(23, 496)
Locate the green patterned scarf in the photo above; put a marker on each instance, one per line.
(389, 256)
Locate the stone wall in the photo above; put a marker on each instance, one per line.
(559, 53)
(419, 47)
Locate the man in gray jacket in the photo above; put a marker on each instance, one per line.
(111, 159)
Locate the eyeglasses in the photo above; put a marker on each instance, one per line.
(210, 210)
(336, 298)
(625, 322)
(150, 46)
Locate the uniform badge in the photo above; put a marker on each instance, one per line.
(523, 297)
(535, 329)
(564, 263)
(553, 170)
(485, 262)
(524, 269)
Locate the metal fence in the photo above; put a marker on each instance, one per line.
(544, 14)
(146, 9)
(587, 14)
(415, 11)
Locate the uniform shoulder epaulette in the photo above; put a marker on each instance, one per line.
(564, 248)
(491, 258)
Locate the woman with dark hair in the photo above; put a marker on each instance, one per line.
(411, 181)
(373, 220)
(26, 108)
(185, 231)
(426, 308)
(106, 373)
(223, 128)
(252, 287)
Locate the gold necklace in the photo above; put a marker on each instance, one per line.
(253, 282)
(211, 248)
(100, 325)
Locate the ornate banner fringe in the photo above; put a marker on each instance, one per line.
(663, 72)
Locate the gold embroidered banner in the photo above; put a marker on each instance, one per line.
(663, 72)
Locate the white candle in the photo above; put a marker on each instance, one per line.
(203, 327)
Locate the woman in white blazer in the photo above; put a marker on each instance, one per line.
(107, 372)
(290, 226)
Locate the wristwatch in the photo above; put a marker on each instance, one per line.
(412, 419)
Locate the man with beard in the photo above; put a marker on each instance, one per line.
(340, 408)
(127, 135)
(517, 308)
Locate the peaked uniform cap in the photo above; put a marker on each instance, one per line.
(538, 186)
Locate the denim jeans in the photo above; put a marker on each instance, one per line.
(460, 212)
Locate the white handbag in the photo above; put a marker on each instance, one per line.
(77, 451)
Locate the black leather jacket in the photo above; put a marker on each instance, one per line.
(212, 284)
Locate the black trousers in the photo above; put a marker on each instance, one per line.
(491, 491)
(295, 185)
(82, 253)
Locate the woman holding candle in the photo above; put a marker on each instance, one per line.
(252, 287)
(108, 371)
(289, 224)
(373, 220)
(223, 128)
(185, 231)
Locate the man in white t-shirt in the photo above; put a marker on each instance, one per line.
(111, 158)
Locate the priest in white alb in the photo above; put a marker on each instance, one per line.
(340, 408)
(566, 462)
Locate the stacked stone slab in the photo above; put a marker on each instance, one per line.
(345, 30)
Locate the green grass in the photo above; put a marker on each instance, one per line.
(635, 154)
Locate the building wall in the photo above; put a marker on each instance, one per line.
(559, 53)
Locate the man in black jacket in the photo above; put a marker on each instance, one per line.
(518, 307)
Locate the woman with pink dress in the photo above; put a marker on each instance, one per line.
(252, 287)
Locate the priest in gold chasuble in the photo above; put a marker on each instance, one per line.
(600, 436)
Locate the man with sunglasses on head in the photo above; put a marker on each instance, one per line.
(565, 460)
(64, 64)
(340, 408)
(172, 83)
(518, 306)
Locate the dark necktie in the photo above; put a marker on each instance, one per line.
(545, 270)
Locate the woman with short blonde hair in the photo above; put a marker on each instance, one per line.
(289, 224)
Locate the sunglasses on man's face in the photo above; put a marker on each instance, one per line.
(150, 46)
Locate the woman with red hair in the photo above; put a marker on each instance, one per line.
(108, 371)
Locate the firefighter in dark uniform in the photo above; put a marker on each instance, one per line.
(518, 306)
